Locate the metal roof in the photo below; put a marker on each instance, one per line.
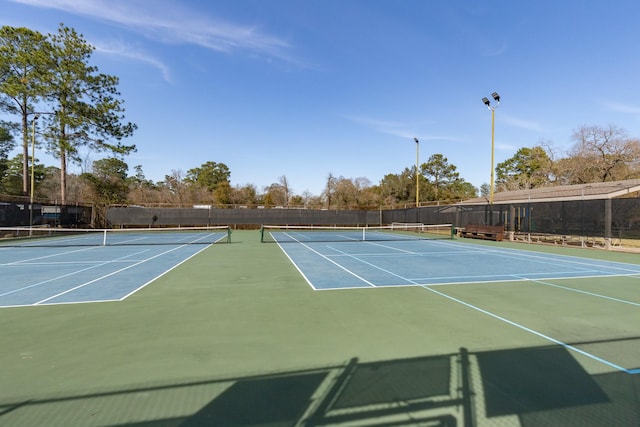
(590, 191)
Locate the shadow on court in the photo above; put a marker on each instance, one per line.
(511, 387)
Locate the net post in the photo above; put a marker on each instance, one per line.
(229, 234)
(262, 233)
(104, 237)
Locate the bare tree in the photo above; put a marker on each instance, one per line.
(285, 188)
(329, 189)
(601, 154)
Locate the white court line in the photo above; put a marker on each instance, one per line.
(108, 275)
(505, 320)
(162, 274)
(373, 265)
(593, 294)
(566, 259)
(324, 257)
(534, 332)
(28, 260)
(34, 285)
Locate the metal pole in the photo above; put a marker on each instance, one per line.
(493, 111)
(417, 173)
(33, 167)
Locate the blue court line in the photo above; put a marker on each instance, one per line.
(534, 332)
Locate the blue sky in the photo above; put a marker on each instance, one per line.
(305, 88)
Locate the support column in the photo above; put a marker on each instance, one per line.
(607, 224)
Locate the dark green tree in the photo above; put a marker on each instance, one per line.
(439, 173)
(209, 175)
(223, 193)
(84, 104)
(11, 182)
(459, 189)
(139, 180)
(528, 168)
(11, 178)
(6, 145)
(24, 67)
(398, 188)
(108, 181)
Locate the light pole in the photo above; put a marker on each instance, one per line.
(417, 173)
(33, 168)
(486, 101)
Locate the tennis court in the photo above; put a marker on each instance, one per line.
(432, 263)
(338, 261)
(58, 266)
(317, 332)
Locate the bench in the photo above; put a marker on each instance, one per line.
(479, 231)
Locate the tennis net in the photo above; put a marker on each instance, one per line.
(50, 236)
(396, 231)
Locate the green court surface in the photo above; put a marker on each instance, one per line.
(237, 337)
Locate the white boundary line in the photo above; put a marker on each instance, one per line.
(34, 285)
(534, 332)
(45, 302)
(110, 274)
(162, 274)
(325, 258)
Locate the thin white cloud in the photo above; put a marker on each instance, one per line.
(623, 108)
(383, 126)
(399, 129)
(505, 147)
(520, 123)
(170, 22)
(131, 53)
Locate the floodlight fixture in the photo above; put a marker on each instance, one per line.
(496, 96)
(486, 101)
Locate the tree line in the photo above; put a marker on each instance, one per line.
(599, 154)
(62, 103)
